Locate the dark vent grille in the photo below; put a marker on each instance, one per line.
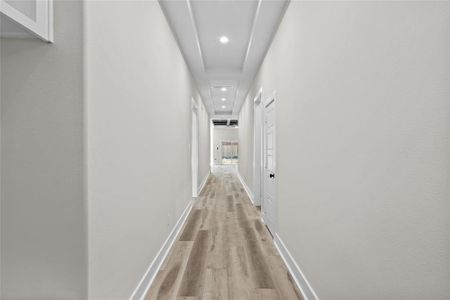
(220, 122)
(233, 123)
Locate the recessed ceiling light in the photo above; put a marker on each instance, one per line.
(223, 106)
(224, 39)
(224, 99)
(223, 89)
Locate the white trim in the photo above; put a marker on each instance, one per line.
(194, 104)
(42, 26)
(272, 223)
(194, 147)
(202, 185)
(258, 97)
(146, 281)
(197, 39)
(211, 144)
(246, 188)
(250, 40)
(298, 276)
(50, 30)
(258, 168)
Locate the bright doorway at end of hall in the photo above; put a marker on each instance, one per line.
(225, 145)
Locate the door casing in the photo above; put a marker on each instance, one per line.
(269, 212)
(194, 149)
(258, 167)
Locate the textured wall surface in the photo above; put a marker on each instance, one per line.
(246, 140)
(204, 143)
(43, 212)
(363, 117)
(138, 107)
(95, 145)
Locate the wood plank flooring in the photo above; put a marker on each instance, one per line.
(224, 251)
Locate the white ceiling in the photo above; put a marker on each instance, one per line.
(250, 26)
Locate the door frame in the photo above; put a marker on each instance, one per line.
(258, 148)
(194, 147)
(268, 101)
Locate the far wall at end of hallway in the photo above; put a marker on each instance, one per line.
(222, 134)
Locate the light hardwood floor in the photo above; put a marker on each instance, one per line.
(224, 251)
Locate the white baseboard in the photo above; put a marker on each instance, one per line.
(146, 281)
(202, 185)
(246, 188)
(298, 276)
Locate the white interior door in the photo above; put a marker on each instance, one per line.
(269, 205)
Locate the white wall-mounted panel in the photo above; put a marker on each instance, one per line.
(27, 18)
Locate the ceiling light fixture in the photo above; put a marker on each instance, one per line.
(224, 99)
(223, 89)
(224, 39)
(223, 106)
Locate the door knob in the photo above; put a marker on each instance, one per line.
(272, 175)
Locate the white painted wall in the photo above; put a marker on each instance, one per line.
(245, 133)
(43, 241)
(95, 162)
(222, 134)
(204, 142)
(363, 140)
(138, 105)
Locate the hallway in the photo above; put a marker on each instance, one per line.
(224, 251)
(224, 149)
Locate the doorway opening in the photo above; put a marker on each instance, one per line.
(225, 146)
(230, 150)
